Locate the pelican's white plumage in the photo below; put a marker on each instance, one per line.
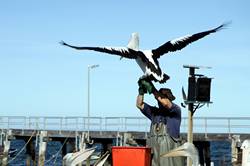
(148, 59)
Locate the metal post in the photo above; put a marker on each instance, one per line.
(29, 123)
(190, 112)
(101, 121)
(106, 121)
(229, 128)
(190, 117)
(206, 128)
(88, 98)
(88, 139)
(89, 67)
(8, 122)
(191, 100)
(37, 123)
(60, 132)
(44, 123)
(24, 127)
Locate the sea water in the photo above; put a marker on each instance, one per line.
(220, 152)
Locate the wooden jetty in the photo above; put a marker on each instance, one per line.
(110, 131)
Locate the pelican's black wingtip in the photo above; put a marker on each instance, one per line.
(165, 78)
(223, 26)
(62, 43)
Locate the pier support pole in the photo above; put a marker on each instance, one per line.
(31, 153)
(6, 144)
(235, 149)
(1, 145)
(81, 143)
(42, 147)
(64, 148)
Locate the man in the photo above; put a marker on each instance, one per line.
(165, 123)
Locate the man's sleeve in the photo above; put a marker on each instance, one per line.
(147, 111)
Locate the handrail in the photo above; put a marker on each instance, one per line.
(229, 125)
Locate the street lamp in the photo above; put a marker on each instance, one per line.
(89, 68)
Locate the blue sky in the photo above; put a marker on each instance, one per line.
(39, 77)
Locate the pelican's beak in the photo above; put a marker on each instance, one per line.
(179, 151)
(187, 150)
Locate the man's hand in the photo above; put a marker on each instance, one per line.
(150, 87)
(141, 90)
(146, 84)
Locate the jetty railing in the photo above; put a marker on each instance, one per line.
(206, 125)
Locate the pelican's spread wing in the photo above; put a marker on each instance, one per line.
(179, 43)
(121, 51)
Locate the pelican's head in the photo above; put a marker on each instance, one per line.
(134, 41)
(187, 149)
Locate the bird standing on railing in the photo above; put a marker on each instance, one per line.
(148, 59)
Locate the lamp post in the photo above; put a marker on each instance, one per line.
(89, 68)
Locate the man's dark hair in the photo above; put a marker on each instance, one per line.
(166, 92)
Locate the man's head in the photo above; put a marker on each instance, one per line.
(166, 92)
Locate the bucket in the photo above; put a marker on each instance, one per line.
(132, 156)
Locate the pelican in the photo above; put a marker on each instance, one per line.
(72, 159)
(187, 149)
(148, 59)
